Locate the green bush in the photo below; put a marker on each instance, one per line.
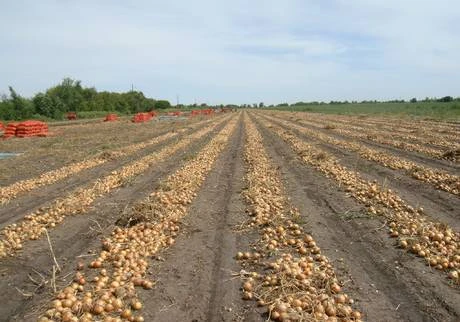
(162, 104)
(71, 96)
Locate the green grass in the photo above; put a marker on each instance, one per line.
(422, 110)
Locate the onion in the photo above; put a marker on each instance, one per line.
(247, 286)
(136, 305)
(126, 314)
(98, 309)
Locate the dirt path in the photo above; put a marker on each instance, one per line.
(78, 235)
(389, 284)
(195, 281)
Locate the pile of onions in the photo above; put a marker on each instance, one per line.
(438, 178)
(80, 200)
(405, 142)
(438, 243)
(285, 270)
(12, 191)
(390, 130)
(105, 288)
(442, 135)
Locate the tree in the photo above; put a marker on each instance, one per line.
(43, 105)
(22, 108)
(261, 104)
(162, 104)
(446, 99)
(413, 100)
(70, 93)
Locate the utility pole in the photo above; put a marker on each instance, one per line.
(177, 99)
(132, 87)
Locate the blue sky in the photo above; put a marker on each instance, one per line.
(235, 51)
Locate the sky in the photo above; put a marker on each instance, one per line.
(235, 51)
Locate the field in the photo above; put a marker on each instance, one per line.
(252, 215)
(448, 111)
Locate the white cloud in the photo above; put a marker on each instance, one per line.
(219, 51)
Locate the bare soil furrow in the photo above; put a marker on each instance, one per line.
(195, 281)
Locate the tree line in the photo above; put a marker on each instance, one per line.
(71, 96)
(445, 99)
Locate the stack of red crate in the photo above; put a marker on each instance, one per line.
(111, 118)
(208, 111)
(10, 130)
(142, 117)
(31, 128)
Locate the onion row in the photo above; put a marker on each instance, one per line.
(79, 201)
(123, 262)
(285, 271)
(10, 192)
(438, 178)
(434, 241)
(443, 143)
(386, 139)
(437, 132)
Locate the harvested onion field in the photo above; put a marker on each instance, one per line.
(244, 216)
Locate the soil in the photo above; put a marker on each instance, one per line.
(74, 240)
(39, 197)
(197, 278)
(74, 143)
(387, 283)
(410, 155)
(440, 205)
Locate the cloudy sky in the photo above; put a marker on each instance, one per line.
(235, 51)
